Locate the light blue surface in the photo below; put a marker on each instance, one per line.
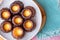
(52, 26)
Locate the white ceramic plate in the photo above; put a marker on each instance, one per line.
(37, 18)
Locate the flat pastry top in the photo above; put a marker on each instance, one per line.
(7, 26)
(17, 20)
(15, 7)
(17, 32)
(28, 24)
(6, 14)
(27, 12)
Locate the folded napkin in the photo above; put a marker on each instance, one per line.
(52, 26)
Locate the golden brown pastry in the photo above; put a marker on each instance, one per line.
(16, 7)
(29, 25)
(18, 32)
(6, 26)
(17, 20)
(28, 12)
(5, 13)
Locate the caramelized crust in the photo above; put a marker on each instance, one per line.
(28, 12)
(18, 32)
(17, 20)
(16, 7)
(6, 26)
(5, 13)
(28, 25)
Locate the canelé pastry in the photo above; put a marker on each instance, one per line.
(28, 12)
(28, 25)
(6, 26)
(18, 32)
(16, 7)
(5, 13)
(17, 20)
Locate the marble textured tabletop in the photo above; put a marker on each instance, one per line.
(51, 30)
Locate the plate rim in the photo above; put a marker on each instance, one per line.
(43, 14)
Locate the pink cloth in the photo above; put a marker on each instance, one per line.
(35, 38)
(51, 38)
